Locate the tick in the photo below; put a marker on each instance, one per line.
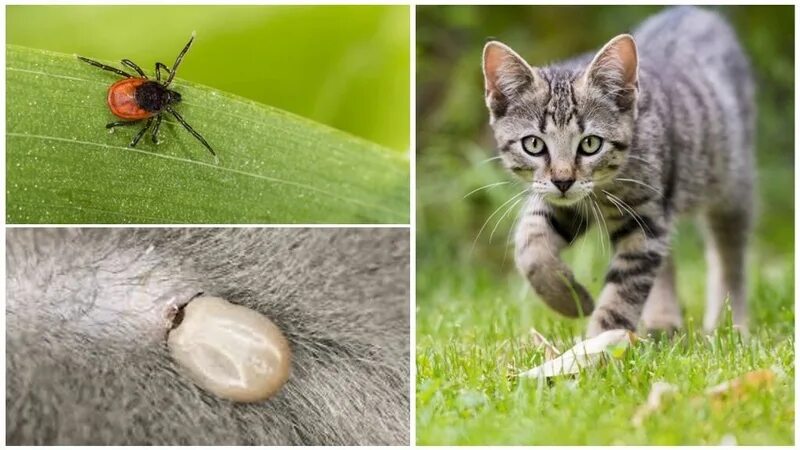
(230, 350)
(136, 99)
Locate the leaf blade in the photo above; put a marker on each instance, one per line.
(274, 167)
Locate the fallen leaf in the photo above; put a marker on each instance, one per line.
(585, 354)
(738, 388)
(654, 400)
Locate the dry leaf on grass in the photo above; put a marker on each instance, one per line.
(654, 401)
(739, 388)
(731, 390)
(587, 353)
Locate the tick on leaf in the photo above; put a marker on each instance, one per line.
(138, 98)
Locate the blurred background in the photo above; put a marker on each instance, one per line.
(460, 268)
(344, 66)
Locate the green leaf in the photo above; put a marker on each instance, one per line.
(274, 167)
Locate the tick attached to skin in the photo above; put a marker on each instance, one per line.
(229, 350)
(136, 99)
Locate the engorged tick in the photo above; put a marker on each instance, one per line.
(135, 99)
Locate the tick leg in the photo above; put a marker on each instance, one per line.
(105, 67)
(141, 133)
(178, 61)
(160, 66)
(122, 123)
(191, 130)
(130, 64)
(156, 127)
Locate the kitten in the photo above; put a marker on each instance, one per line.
(653, 126)
(87, 363)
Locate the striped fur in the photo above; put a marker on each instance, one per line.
(674, 107)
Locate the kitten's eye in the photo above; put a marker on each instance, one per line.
(590, 145)
(533, 146)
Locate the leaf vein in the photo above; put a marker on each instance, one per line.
(212, 166)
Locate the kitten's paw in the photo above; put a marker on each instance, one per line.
(662, 334)
(667, 324)
(561, 292)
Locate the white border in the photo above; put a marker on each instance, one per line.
(412, 152)
(412, 380)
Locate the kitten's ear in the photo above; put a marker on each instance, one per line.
(506, 74)
(615, 70)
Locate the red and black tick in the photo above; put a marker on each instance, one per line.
(135, 99)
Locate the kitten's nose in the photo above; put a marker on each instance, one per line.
(563, 185)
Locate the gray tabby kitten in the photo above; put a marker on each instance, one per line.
(653, 126)
(87, 363)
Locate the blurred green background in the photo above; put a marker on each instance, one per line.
(454, 140)
(344, 66)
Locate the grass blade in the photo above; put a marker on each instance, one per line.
(275, 167)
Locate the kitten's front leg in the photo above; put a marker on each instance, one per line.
(640, 247)
(541, 234)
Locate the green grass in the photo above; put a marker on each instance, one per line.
(474, 314)
(472, 334)
(274, 167)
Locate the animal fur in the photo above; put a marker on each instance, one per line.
(87, 364)
(674, 107)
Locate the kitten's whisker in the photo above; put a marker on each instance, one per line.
(581, 206)
(488, 186)
(621, 213)
(511, 232)
(639, 158)
(597, 219)
(602, 227)
(585, 217)
(624, 205)
(605, 224)
(552, 249)
(614, 199)
(503, 216)
(494, 213)
(488, 159)
(642, 183)
(634, 216)
(576, 218)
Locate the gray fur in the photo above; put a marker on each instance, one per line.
(678, 133)
(86, 361)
